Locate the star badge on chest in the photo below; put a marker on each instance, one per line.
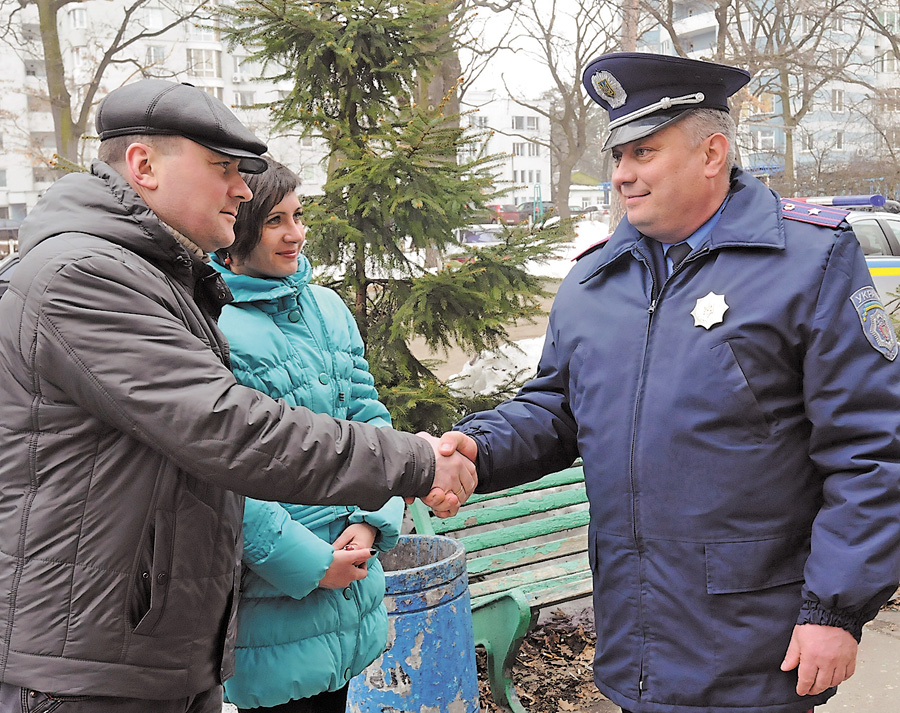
(709, 310)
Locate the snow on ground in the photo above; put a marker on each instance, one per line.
(587, 233)
(487, 371)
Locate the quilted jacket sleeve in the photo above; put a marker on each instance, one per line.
(282, 551)
(165, 387)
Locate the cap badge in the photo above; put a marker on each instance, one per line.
(709, 310)
(609, 88)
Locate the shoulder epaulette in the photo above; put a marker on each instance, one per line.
(596, 246)
(823, 215)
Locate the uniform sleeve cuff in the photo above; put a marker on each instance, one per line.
(813, 613)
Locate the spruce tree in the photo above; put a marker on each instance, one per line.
(397, 188)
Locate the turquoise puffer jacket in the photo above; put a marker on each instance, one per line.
(299, 342)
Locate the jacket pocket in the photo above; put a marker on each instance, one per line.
(160, 572)
(733, 567)
(737, 404)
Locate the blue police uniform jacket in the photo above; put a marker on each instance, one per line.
(297, 341)
(742, 477)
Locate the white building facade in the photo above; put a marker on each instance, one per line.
(192, 52)
(521, 135)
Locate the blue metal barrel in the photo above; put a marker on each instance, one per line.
(429, 664)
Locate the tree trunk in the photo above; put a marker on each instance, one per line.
(60, 100)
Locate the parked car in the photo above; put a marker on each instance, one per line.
(877, 229)
(530, 211)
(502, 213)
(7, 265)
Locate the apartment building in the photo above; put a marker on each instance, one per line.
(842, 108)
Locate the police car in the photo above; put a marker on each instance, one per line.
(876, 222)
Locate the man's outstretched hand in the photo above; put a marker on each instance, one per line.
(454, 474)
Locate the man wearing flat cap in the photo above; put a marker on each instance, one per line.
(726, 371)
(126, 445)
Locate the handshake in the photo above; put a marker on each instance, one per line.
(454, 472)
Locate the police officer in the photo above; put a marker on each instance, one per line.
(736, 403)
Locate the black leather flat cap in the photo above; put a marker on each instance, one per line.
(156, 106)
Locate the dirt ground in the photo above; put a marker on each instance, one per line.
(553, 668)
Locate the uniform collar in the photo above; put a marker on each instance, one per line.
(751, 219)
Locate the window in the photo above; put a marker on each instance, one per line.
(809, 142)
(31, 32)
(764, 140)
(518, 123)
(481, 122)
(78, 18)
(2, 178)
(307, 141)
(871, 238)
(839, 140)
(762, 104)
(35, 68)
(308, 174)
(530, 176)
(531, 123)
(245, 69)
(519, 149)
(886, 62)
(888, 100)
(202, 31)
(154, 18)
(156, 55)
(534, 149)
(537, 176)
(890, 20)
(204, 63)
(243, 99)
(215, 91)
(837, 22)
(837, 100)
(79, 58)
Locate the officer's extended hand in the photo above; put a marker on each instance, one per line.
(824, 656)
(454, 478)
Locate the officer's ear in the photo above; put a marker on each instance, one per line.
(716, 146)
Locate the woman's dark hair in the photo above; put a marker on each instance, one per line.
(269, 189)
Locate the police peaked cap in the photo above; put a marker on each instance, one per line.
(157, 106)
(644, 92)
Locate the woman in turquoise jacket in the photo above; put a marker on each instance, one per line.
(311, 614)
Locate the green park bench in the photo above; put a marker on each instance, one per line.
(526, 550)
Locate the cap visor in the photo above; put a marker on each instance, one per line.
(249, 162)
(639, 128)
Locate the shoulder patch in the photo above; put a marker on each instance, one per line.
(804, 212)
(875, 322)
(596, 246)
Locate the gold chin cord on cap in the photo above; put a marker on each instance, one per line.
(664, 103)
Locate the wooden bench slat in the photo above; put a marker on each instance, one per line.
(510, 559)
(473, 517)
(532, 580)
(553, 480)
(525, 530)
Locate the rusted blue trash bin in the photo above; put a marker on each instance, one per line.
(429, 664)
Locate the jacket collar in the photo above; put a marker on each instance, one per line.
(752, 219)
(259, 289)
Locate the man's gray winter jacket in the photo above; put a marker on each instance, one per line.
(124, 442)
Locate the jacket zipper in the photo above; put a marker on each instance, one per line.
(654, 300)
